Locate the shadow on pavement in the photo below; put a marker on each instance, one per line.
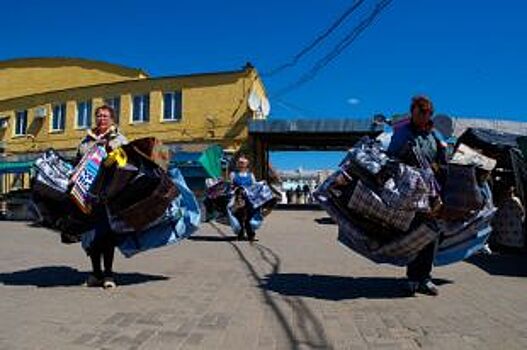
(325, 221)
(310, 332)
(212, 238)
(503, 265)
(65, 276)
(337, 287)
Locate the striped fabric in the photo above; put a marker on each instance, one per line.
(459, 240)
(84, 177)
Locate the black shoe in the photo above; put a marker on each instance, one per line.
(429, 288)
(411, 288)
(94, 281)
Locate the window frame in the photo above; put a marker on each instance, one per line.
(175, 115)
(16, 126)
(64, 110)
(88, 117)
(144, 116)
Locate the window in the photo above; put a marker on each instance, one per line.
(141, 109)
(115, 103)
(84, 110)
(58, 118)
(21, 123)
(172, 105)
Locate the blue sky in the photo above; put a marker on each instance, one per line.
(468, 56)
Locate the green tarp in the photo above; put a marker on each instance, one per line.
(201, 158)
(210, 159)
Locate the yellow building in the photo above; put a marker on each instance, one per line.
(50, 102)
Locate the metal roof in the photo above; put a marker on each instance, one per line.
(507, 126)
(319, 126)
(311, 134)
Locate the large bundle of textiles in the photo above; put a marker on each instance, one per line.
(254, 201)
(146, 206)
(388, 211)
(51, 195)
(257, 201)
(178, 221)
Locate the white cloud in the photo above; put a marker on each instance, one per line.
(353, 101)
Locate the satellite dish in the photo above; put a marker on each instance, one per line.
(254, 101)
(444, 124)
(265, 107)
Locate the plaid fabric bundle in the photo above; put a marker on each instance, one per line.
(259, 194)
(365, 160)
(409, 189)
(398, 249)
(363, 220)
(409, 244)
(519, 165)
(84, 177)
(461, 193)
(367, 203)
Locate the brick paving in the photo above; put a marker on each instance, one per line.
(296, 288)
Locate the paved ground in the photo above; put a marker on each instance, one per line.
(296, 289)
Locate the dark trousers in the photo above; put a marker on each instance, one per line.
(103, 247)
(419, 269)
(244, 218)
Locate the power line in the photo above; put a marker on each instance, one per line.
(317, 40)
(338, 49)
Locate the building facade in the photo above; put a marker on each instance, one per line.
(50, 102)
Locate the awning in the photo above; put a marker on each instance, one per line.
(15, 167)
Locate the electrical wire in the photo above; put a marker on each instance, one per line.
(319, 39)
(337, 50)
